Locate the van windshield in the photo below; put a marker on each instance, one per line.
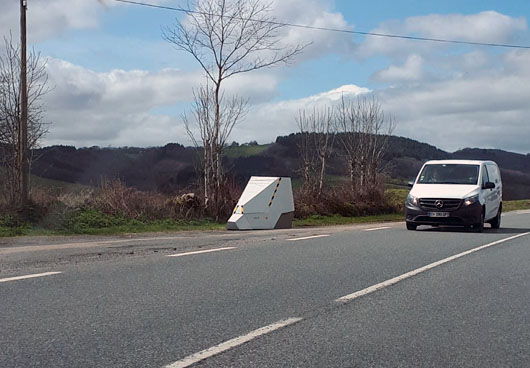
(449, 174)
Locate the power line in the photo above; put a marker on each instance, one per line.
(303, 26)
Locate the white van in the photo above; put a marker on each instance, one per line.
(457, 193)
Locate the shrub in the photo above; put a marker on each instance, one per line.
(86, 219)
(341, 200)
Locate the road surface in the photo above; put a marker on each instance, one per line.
(354, 296)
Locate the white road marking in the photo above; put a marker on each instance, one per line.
(407, 275)
(227, 345)
(378, 228)
(309, 237)
(29, 276)
(200, 252)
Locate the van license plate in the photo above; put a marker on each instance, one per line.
(438, 214)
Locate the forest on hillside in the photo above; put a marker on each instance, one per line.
(173, 167)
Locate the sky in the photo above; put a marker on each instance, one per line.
(116, 82)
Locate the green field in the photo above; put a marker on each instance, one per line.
(245, 151)
(56, 186)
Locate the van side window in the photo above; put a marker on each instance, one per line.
(493, 173)
(485, 176)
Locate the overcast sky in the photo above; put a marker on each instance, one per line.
(116, 82)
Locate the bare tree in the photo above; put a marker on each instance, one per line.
(348, 128)
(315, 145)
(10, 113)
(306, 152)
(227, 37)
(364, 131)
(214, 131)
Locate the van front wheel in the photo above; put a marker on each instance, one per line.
(480, 226)
(411, 226)
(496, 222)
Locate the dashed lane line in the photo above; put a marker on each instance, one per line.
(200, 252)
(230, 344)
(15, 278)
(378, 228)
(308, 237)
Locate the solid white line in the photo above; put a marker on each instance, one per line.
(29, 276)
(378, 228)
(227, 345)
(309, 237)
(407, 275)
(200, 252)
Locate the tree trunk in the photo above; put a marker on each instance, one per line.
(322, 174)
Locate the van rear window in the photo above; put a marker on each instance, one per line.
(449, 174)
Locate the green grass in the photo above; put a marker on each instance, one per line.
(245, 151)
(523, 204)
(93, 222)
(397, 196)
(151, 227)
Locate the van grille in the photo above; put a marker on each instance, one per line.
(447, 204)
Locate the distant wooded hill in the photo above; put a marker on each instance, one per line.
(172, 167)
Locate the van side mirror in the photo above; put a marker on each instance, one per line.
(489, 185)
(410, 184)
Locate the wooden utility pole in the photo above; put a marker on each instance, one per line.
(23, 129)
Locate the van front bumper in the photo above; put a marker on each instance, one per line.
(462, 216)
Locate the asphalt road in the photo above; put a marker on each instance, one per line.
(263, 300)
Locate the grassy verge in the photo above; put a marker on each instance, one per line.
(523, 204)
(162, 226)
(148, 227)
(96, 223)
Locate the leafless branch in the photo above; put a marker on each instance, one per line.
(226, 37)
(10, 99)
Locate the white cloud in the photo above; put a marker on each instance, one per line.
(49, 18)
(487, 26)
(122, 107)
(46, 18)
(469, 97)
(487, 109)
(270, 120)
(412, 70)
(316, 14)
(454, 97)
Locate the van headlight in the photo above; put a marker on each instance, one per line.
(413, 201)
(470, 200)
